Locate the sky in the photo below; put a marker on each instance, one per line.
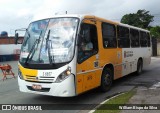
(16, 14)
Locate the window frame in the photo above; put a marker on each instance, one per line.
(118, 37)
(134, 46)
(148, 39)
(96, 38)
(142, 39)
(115, 35)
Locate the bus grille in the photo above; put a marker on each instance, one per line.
(40, 79)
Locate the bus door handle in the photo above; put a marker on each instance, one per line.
(96, 64)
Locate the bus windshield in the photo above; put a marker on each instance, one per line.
(49, 41)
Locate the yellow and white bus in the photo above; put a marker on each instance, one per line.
(70, 54)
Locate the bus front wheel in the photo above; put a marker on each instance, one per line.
(106, 80)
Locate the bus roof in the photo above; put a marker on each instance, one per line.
(89, 16)
(133, 27)
(117, 23)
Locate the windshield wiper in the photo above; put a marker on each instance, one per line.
(37, 41)
(48, 47)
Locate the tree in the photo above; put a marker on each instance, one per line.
(140, 19)
(155, 31)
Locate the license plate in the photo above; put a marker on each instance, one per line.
(36, 87)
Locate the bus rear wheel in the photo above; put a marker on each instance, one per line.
(106, 80)
(139, 67)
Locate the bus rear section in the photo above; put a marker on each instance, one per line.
(116, 51)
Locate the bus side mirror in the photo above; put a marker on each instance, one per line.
(16, 38)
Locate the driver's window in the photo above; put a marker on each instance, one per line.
(88, 44)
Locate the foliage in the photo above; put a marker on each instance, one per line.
(140, 19)
(155, 31)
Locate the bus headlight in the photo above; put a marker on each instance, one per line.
(64, 75)
(20, 74)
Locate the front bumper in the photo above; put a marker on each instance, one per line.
(65, 88)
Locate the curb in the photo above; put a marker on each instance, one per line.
(105, 102)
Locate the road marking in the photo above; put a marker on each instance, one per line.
(155, 86)
(105, 102)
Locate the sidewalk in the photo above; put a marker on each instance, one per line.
(146, 96)
(14, 65)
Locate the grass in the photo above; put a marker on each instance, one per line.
(112, 106)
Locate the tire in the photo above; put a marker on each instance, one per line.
(106, 80)
(139, 67)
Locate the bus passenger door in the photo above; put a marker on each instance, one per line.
(87, 59)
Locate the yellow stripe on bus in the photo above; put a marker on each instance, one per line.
(25, 71)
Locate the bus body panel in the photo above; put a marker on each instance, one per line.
(87, 74)
(131, 57)
(25, 71)
(63, 89)
(109, 55)
(66, 88)
(113, 57)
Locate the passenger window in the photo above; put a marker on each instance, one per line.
(109, 35)
(134, 36)
(123, 37)
(149, 40)
(143, 39)
(88, 44)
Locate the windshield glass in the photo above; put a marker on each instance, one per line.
(49, 41)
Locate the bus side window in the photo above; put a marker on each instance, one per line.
(109, 35)
(149, 40)
(123, 37)
(134, 36)
(88, 44)
(143, 39)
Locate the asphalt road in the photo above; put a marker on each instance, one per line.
(10, 94)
